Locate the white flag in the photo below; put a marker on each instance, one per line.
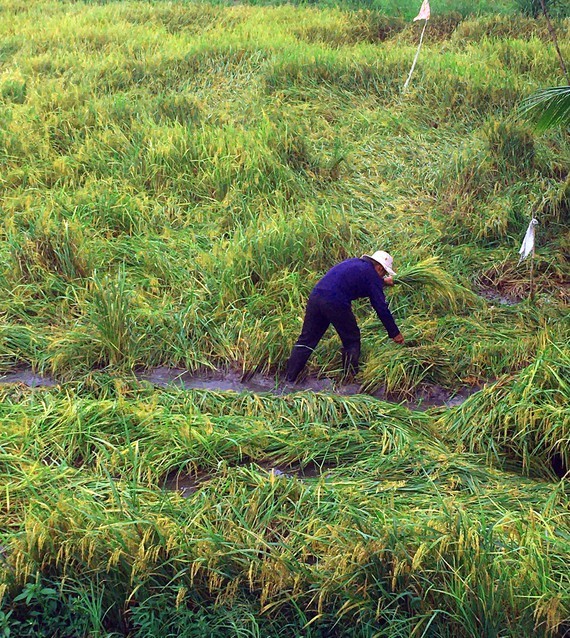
(528, 241)
(424, 11)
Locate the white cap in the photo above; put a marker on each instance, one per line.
(384, 259)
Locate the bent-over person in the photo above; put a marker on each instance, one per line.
(331, 302)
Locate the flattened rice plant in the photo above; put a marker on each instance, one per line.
(522, 418)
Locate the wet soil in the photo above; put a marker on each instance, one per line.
(27, 377)
(187, 484)
(495, 296)
(425, 396)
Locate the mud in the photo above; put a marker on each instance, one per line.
(218, 382)
(27, 377)
(426, 396)
(493, 295)
(188, 484)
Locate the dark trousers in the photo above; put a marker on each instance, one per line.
(320, 313)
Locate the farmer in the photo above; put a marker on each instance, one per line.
(330, 302)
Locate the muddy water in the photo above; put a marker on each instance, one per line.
(187, 484)
(27, 377)
(426, 396)
(219, 382)
(491, 294)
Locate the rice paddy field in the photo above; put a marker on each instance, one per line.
(174, 179)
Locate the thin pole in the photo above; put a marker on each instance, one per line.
(415, 59)
(555, 40)
(532, 275)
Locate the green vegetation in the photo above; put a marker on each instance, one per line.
(174, 178)
(398, 534)
(551, 107)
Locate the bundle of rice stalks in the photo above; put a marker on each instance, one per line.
(442, 286)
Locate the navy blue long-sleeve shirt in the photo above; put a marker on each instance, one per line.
(353, 279)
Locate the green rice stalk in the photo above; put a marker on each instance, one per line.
(439, 284)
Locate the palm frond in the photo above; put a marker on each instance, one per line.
(548, 107)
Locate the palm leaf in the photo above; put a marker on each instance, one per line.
(549, 107)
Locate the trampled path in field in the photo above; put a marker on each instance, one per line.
(427, 396)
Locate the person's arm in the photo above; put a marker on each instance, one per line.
(378, 301)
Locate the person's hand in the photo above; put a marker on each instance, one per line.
(399, 339)
(388, 280)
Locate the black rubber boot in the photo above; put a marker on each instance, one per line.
(350, 357)
(299, 357)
